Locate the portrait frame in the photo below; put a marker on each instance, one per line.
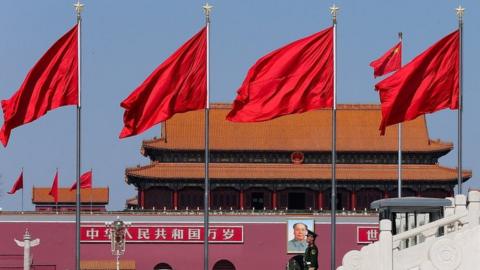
(296, 248)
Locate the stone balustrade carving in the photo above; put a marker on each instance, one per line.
(450, 243)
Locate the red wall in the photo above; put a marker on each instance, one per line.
(264, 246)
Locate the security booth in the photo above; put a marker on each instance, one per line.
(410, 212)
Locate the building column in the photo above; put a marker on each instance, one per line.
(320, 199)
(385, 193)
(353, 200)
(242, 202)
(418, 191)
(141, 200)
(210, 193)
(274, 199)
(175, 199)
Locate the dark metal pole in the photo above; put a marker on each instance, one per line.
(334, 9)
(207, 9)
(460, 12)
(400, 36)
(78, 8)
(23, 187)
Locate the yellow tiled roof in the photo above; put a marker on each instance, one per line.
(87, 195)
(357, 130)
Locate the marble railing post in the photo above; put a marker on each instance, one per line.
(460, 204)
(449, 210)
(474, 207)
(461, 208)
(386, 245)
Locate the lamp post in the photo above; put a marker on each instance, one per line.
(117, 236)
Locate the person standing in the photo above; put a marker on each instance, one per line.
(311, 253)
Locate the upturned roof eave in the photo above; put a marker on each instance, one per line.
(433, 148)
(137, 173)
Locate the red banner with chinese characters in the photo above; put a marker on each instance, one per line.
(367, 235)
(164, 234)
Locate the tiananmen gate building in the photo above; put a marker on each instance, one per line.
(264, 177)
(286, 163)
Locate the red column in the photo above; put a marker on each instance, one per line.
(242, 203)
(353, 200)
(274, 199)
(142, 198)
(320, 200)
(175, 199)
(209, 198)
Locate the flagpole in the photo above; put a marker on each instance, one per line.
(460, 10)
(91, 191)
(78, 8)
(91, 201)
(207, 9)
(22, 200)
(399, 186)
(333, 10)
(56, 198)
(23, 187)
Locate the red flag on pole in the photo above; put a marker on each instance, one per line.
(54, 190)
(17, 185)
(293, 79)
(85, 181)
(177, 85)
(427, 84)
(51, 83)
(390, 61)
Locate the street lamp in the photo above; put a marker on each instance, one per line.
(117, 236)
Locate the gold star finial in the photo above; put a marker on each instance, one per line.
(460, 10)
(207, 8)
(334, 10)
(78, 7)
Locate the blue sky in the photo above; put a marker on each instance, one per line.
(123, 42)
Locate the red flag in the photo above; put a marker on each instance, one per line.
(293, 79)
(51, 83)
(85, 181)
(178, 85)
(18, 184)
(390, 61)
(54, 190)
(429, 83)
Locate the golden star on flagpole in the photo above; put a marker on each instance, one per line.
(78, 7)
(460, 10)
(207, 8)
(334, 10)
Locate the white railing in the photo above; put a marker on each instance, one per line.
(429, 230)
(444, 243)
